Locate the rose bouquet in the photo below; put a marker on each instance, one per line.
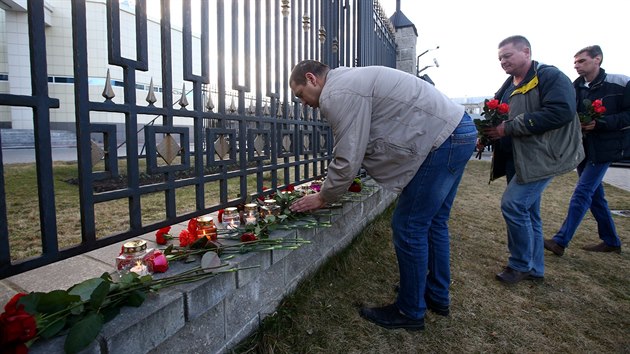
(82, 310)
(494, 113)
(592, 111)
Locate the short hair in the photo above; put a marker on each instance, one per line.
(592, 51)
(516, 41)
(298, 75)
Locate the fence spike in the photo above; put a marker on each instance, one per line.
(108, 91)
(209, 103)
(183, 102)
(151, 96)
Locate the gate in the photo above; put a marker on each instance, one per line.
(180, 108)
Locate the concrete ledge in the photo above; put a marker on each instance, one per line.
(213, 315)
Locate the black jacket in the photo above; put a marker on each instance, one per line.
(610, 140)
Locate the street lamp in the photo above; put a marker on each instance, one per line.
(435, 64)
(423, 53)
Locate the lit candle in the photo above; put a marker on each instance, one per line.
(139, 269)
(233, 224)
(250, 220)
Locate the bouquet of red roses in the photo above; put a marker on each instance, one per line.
(494, 113)
(593, 110)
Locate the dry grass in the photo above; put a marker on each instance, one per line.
(582, 306)
(111, 217)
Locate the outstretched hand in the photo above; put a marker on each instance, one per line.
(307, 203)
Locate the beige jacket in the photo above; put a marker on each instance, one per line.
(384, 120)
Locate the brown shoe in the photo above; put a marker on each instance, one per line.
(551, 245)
(602, 247)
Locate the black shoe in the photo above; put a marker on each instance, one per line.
(602, 247)
(554, 247)
(390, 317)
(433, 306)
(439, 309)
(512, 276)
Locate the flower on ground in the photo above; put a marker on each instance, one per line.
(157, 262)
(185, 238)
(16, 326)
(82, 310)
(356, 185)
(289, 188)
(248, 237)
(162, 236)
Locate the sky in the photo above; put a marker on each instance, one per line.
(468, 33)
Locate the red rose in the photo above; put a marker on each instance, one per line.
(355, 187)
(503, 108)
(597, 103)
(158, 262)
(19, 326)
(289, 188)
(220, 215)
(599, 109)
(492, 104)
(12, 306)
(15, 348)
(160, 238)
(248, 237)
(263, 197)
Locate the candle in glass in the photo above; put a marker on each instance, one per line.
(251, 214)
(231, 218)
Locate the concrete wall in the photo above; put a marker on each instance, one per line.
(212, 316)
(406, 49)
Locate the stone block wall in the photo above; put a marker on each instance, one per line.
(214, 315)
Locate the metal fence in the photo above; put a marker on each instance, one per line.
(233, 131)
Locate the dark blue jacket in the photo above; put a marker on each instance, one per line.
(610, 140)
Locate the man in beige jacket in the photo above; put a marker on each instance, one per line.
(411, 139)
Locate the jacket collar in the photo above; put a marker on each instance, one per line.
(579, 82)
(533, 70)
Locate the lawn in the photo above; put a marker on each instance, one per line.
(583, 305)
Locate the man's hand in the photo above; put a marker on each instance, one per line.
(495, 132)
(589, 126)
(307, 202)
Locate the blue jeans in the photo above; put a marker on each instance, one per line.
(589, 193)
(520, 206)
(420, 222)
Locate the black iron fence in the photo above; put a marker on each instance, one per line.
(232, 131)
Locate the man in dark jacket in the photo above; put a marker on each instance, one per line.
(606, 139)
(545, 133)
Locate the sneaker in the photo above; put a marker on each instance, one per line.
(513, 276)
(390, 317)
(551, 245)
(602, 247)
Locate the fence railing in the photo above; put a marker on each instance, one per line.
(234, 131)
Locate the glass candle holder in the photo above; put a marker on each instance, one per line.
(206, 228)
(133, 258)
(269, 208)
(231, 218)
(250, 214)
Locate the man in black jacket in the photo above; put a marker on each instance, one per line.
(606, 139)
